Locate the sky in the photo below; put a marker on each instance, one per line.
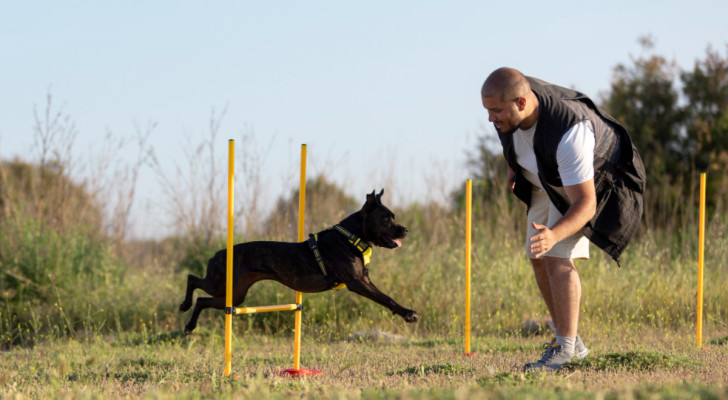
(384, 93)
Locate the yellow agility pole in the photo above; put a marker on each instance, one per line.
(299, 295)
(468, 250)
(297, 371)
(229, 276)
(701, 251)
(261, 309)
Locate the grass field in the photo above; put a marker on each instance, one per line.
(640, 363)
(116, 332)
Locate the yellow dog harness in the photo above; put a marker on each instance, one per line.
(362, 246)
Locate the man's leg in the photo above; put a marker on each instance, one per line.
(542, 280)
(560, 287)
(565, 287)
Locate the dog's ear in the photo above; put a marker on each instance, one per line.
(371, 197)
(372, 200)
(379, 196)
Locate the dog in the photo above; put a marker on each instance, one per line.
(335, 256)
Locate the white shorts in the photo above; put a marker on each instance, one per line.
(544, 213)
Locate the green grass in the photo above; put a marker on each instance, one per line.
(633, 361)
(116, 332)
(171, 366)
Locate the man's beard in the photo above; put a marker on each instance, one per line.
(508, 132)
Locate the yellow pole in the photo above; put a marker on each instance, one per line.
(229, 276)
(468, 234)
(701, 251)
(299, 295)
(261, 309)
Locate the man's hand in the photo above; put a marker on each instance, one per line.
(583, 205)
(542, 241)
(511, 179)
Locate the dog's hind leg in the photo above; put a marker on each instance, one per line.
(213, 283)
(201, 304)
(193, 283)
(239, 292)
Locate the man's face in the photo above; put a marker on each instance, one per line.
(505, 115)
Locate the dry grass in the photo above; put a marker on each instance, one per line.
(167, 366)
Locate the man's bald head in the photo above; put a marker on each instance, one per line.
(508, 83)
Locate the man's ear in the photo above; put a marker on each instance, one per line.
(521, 103)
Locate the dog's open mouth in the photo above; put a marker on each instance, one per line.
(391, 242)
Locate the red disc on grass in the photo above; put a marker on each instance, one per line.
(297, 373)
(470, 354)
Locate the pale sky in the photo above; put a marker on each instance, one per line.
(385, 93)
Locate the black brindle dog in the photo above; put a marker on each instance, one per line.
(331, 257)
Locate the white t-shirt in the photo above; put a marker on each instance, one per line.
(574, 155)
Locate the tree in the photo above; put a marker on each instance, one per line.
(643, 98)
(706, 91)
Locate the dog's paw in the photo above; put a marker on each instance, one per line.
(411, 316)
(185, 306)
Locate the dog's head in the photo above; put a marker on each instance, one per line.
(378, 223)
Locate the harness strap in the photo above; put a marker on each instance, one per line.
(362, 246)
(313, 244)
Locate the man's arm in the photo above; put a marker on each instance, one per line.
(583, 206)
(511, 178)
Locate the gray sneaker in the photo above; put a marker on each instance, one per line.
(580, 351)
(552, 359)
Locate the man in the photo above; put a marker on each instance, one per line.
(582, 179)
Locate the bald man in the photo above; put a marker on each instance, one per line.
(579, 174)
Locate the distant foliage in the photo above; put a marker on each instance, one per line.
(46, 195)
(679, 126)
(42, 213)
(326, 204)
(52, 250)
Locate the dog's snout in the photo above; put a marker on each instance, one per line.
(403, 231)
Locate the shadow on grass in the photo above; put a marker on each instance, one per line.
(719, 342)
(173, 337)
(486, 346)
(425, 369)
(429, 343)
(631, 361)
(508, 378)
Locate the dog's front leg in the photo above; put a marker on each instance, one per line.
(367, 289)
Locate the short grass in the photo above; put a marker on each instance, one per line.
(642, 363)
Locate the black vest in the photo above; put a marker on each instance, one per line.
(619, 175)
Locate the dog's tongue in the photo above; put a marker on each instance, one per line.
(396, 241)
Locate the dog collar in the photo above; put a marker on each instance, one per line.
(362, 246)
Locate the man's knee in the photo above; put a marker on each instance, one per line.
(558, 264)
